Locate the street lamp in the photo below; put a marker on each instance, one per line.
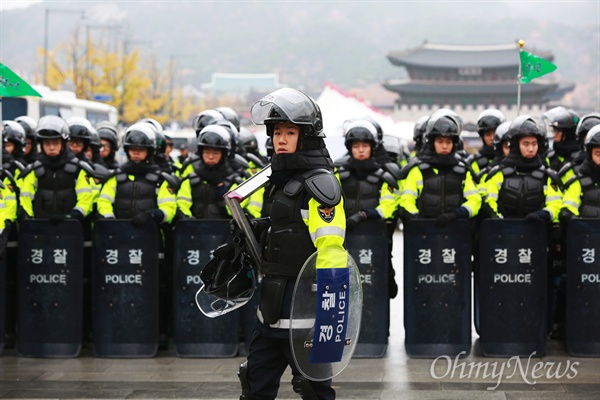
(172, 72)
(48, 10)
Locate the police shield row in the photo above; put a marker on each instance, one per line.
(529, 215)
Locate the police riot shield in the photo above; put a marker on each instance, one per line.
(437, 289)
(125, 305)
(325, 316)
(367, 243)
(583, 288)
(194, 334)
(512, 288)
(50, 287)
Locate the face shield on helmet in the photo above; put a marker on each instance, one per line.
(489, 120)
(526, 125)
(13, 132)
(419, 129)
(291, 105)
(501, 134)
(230, 115)
(586, 123)
(140, 135)
(443, 122)
(359, 131)
(108, 131)
(52, 127)
(559, 118)
(206, 118)
(229, 281)
(216, 137)
(81, 129)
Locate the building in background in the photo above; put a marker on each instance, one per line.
(468, 79)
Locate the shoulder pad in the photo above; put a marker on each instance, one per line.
(324, 187)
(390, 180)
(152, 176)
(506, 171)
(393, 169)
(121, 176)
(73, 165)
(554, 176)
(343, 173)
(257, 161)
(193, 159)
(30, 168)
(565, 168)
(194, 178)
(586, 181)
(240, 161)
(172, 180)
(411, 163)
(493, 172)
(423, 166)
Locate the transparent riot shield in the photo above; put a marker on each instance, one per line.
(583, 288)
(326, 314)
(195, 334)
(50, 280)
(512, 288)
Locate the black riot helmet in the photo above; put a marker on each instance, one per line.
(289, 105)
(228, 277)
(215, 136)
(108, 131)
(161, 143)
(443, 122)
(234, 137)
(419, 130)
(489, 120)
(592, 139)
(248, 141)
(140, 134)
(564, 120)
(269, 147)
(205, 118)
(359, 131)
(526, 125)
(501, 134)
(94, 138)
(13, 132)
(230, 115)
(80, 128)
(52, 127)
(28, 124)
(586, 123)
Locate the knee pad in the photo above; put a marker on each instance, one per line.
(303, 387)
(243, 376)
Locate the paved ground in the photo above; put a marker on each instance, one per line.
(394, 376)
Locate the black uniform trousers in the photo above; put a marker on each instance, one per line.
(267, 361)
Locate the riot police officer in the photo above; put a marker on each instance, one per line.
(440, 185)
(303, 218)
(139, 190)
(582, 193)
(30, 151)
(586, 123)
(564, 125)
(80, 135)
(109, 143)
(57, 184)
(202, 189)
(367, 187)
(418, 131)
(13, 136)
(487, 123)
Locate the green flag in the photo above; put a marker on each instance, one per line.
(11, 85)
(533, 67)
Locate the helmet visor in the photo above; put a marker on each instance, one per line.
(284, 105)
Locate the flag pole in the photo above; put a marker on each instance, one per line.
(519, 76)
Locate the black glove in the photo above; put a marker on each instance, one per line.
(445, 219)
(355, 219)
(76, 215)
(259, 225)
(57, 218)
(157, 215)
(566, 216)
(141, 218)
(539, 215)
(406, 216)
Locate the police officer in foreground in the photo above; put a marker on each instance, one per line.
(304, 218)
